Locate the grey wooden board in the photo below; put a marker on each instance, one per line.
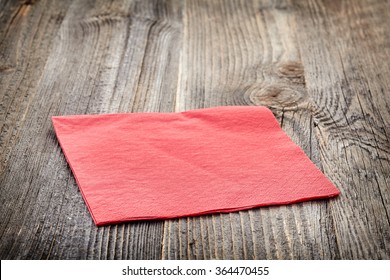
(323, 68)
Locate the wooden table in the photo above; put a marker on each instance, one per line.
(322, 67)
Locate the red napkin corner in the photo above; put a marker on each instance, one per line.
(142, 166)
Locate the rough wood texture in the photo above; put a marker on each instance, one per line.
(323, 67)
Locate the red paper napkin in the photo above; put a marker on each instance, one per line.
(141, 166)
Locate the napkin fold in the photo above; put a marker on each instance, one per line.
(140, 166)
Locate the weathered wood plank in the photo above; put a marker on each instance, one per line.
(351, 108)
(25, 34)
(246, 53)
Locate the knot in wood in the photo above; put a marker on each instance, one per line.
(277, 96)
(292, 70)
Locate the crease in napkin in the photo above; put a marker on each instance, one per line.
(143, 166)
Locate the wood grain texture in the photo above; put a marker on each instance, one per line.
(323, 68)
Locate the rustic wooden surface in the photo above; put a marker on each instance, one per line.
(323, 67)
